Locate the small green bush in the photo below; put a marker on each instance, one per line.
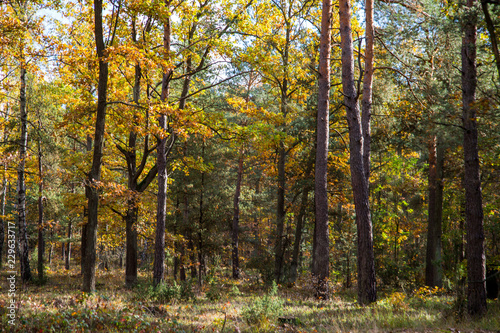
(262, 309)
(165, 293)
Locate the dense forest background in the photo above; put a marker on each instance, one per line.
(214, 104)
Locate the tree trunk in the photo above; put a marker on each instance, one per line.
(476, 271)
(236, 219)
(185, 225)
(177, 221)
(41, 244)
(294, 264)
(131, 243)
(366, 102)
(91, 187)
(51, 250)
(21, 185)
(133, 173)
(201, 255)
(255, 226)
(433, 267)
(68, 247)
(159, 269)
(280, 214)
(83, 242)
(321, 263)
(366, 262)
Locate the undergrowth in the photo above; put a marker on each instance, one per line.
(221, 304)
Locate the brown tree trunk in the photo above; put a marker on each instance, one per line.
(321, 262)
(94, 176)
(134, 171)
(132, 213)
(236, 219)
(476, 271)
(83, 242)
(366, 262)
(282, 154)
(366, 102)
(131, 243)
(159, 269)
(21, 185)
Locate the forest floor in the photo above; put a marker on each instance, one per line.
(224, 305)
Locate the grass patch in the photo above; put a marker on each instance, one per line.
(223, 305)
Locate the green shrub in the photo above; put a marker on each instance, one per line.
(165, 293)
(262, 309)
(235, 291)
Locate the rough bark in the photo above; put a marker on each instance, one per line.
(433, 265)
(366, 101)
(476, 271)
(94, 176)
(366, 262)
(321, 262)
(161, 162)
(236, 219)
(21, 185)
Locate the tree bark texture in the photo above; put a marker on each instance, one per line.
(321, 262)
(161, 162)
(236, 219)
(21, 185)
(366, 101)
(92, 185)
(366, 262)
(476, 270)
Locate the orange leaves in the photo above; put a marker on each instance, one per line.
(136, 53)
